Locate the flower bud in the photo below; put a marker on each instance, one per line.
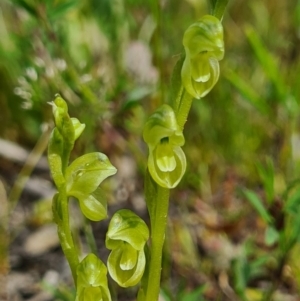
(204, 48)
(59, 108)
(62, 119)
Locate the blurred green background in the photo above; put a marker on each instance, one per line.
(112, 61)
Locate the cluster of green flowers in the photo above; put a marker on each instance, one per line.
(126, 237)
(127, 234)
(204, 48)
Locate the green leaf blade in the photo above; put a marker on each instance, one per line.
(256, 202)
(86, 173)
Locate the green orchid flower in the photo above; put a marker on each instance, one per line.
(166, 162)
(204, 48)
(126, 237)
(92, 280)
(83, 176)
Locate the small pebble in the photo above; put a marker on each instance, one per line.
(42, 240)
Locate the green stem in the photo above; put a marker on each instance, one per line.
(68, 146)
(63, 220)
(65, 234)
(158, 227)
(184, 108)
(218, 8)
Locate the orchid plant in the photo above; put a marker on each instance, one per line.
(133, 259)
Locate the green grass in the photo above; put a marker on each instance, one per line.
(249, 121)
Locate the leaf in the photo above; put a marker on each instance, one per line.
(247, 91)
(176, 87)
(56, 209)
(219, 8)
(26, 6)
(256, 202)
(195, 295)
(257, 266)
(267, 62)
(150, 194)
(267, 176)
(292, 204)
(61, 9)
(241, 271)
(60, 293)
(93, 206)
(212, 4)
(271, 236)
(141, 295)
(86, 173)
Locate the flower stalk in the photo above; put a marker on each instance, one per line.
(158, 228)
(80, 179)
(196, 74)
